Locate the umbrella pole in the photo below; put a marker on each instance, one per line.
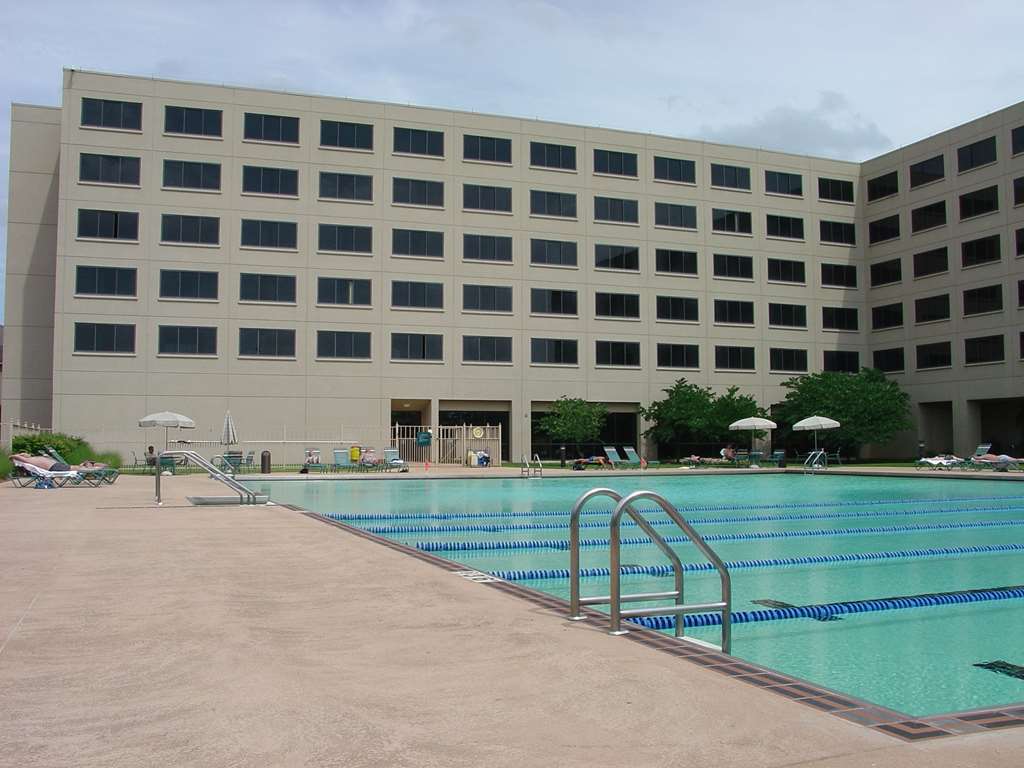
(815, 440)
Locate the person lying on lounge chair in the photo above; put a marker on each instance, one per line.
(583, 463)
(43, 462)
(1000, 459)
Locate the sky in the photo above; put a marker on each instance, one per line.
(847, 80)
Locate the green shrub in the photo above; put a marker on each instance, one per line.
(5, 466)
(110, 458)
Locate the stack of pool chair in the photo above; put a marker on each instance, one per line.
(777, 458)
(101, 472)
(635, 459)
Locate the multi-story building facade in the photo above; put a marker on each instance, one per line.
(317, 263)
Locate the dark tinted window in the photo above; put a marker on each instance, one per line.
(626, 257)
(927, 171)
(979, 202)
(417, 192)
(621, 353)
(414, 141)
(104, 337)
(486, 248)
(676, 262)
(186, 340)
(109, 169)
(554, 351)
(192, 121)
(346, 186)
(886, 272)
(344, 238)
(734, 312)
(784, 226)
(270, 181)
(187, 284)
(928, 216)
(679, 216)
(1018, 190)
(105, 281)
(788, 360)
(937, 355)
(1017, 140)
(931, 308)
(269, 234)
(734, 358)
(616, 209)
(552, 203)
(343, 290)
(617, 163)
(1020, 242)
(481, 198)
(843, 232)
(883, 186)
(486, 148)
(266, 342)
(405, 293)
(787, 315)
(553, 252)
(839, 275)
(346, 135)
(979, 153)
(678, 308)
(104, 113)
(553, 156)
(786, 271)
(880, 230)
(839, 318)
(201, 230)
(841, 361)
(417, 346)
(835, 189)
(183, 174)
(730, 221)
(487, 349)
(617, 305)
(673, 169)
(887, 316)
(417, 242)
(487, 298)
(727, 265)
(984, 349)
(730, 176)
(889, 360)
(981, 251)
(271, 288)
(931, 262)
(277, 128)
(343, 344)
(108, 225)
(779, 183)
(978, 301)
(678, 356)
(548, 301)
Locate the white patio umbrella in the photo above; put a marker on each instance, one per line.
(167, 420)
(229, 434)
(753, 424)
(815, 423)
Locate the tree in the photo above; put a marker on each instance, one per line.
(574, 420)
(870, 407)
(691, 413)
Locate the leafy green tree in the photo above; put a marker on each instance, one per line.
(731, 407)
(691, 413)
(574, 420)
(870, 407)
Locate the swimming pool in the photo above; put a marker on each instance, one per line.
(797, 540)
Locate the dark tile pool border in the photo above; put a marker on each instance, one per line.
(897, 724)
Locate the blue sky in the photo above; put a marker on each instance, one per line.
(838, 79)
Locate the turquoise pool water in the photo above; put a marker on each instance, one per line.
(918, 660)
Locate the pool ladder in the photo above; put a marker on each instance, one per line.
(245, 496)
(528, 469)
(815, 461)
(624, 506)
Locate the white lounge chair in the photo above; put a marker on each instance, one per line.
(42, 478)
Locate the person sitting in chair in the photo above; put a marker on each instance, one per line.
(483, 458)
(729, 452)
(151, 456)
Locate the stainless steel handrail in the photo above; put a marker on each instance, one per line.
(816, 460)
(245, 496)
(574, 547)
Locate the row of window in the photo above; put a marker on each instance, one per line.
(977, 350)
(968, 157)
(976, 301)
(936, 260)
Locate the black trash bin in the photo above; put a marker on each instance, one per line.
(265, 462)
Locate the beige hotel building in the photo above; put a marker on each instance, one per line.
(325, 266)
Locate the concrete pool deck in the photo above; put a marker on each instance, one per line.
(136, 635)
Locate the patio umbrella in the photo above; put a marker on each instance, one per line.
(229, 435)
(167, 420)
(754, 424)
(815, 423)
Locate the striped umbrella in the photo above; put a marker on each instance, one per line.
(229, 434)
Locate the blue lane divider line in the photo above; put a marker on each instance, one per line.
(825, 610)
(391, 530)
(781, 562)
(563, 544)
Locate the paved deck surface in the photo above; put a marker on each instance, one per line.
(182, 636)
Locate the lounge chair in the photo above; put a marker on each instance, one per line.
(1001, 463)
(634, 458)
(939, 462)
(101, 471)
(778, 458)
(616, 461)
(343, 461)
(29, 474)
(392, 460)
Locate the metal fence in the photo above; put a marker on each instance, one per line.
(11, 429)
(449, 445)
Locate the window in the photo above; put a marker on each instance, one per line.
(673, 169)
(104, 113)
(276, 128)
(928, 216)
(1020, 242)
(417, 192)
(269, 288)
(785, 226)
(978, 301)
(188, 284)
(678, 356)
(616, 163)
(675, 262)
(981, 251)
(417, 346)
(931, 309)
(888, 360)
(1017, 140)
(270, 181)
(677, 308)
(560, 253)
(881, 230)
(1018, 191)
(886, 272)
(108, 225)
(1020, 293)
(486, 298)
(788, 360)
(558, 156)
(554, 351)
(839, 275)
(346, 186)
(105, 281)
(344, 291)
(344, 238)
(552, 204)
(616, 210)
(883, 186)
(841, 361)
(734, 312)
(678, 216)
(738, 267)
(979, 202)
(624, 354)
(183, 174)
(476, 197)
(486, 248)
(346, 136)
(779, 183)
(977, 154)
(343, 345)
(731, 221)
(927, 171)
(266, 342)
(787, 315)
(269, 234)
(837, 190)
(734, 358)
(190, 230)
(487, 149)
(839, 318)
(841, 232)
(730, 176)
(487, 349)
(887, 316)
(617, 305)
(417, 242)
(105, 338)
(933, 262)
(984, 349)
(624, 257)
(548, 301)
(937, 355)
(786, 271)
(186, 340)
(413, 295)
(109, 169)
(415, 141)
(192, 121)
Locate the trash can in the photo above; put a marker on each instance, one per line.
(471, 459)
(265, 462)
(354, 453)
